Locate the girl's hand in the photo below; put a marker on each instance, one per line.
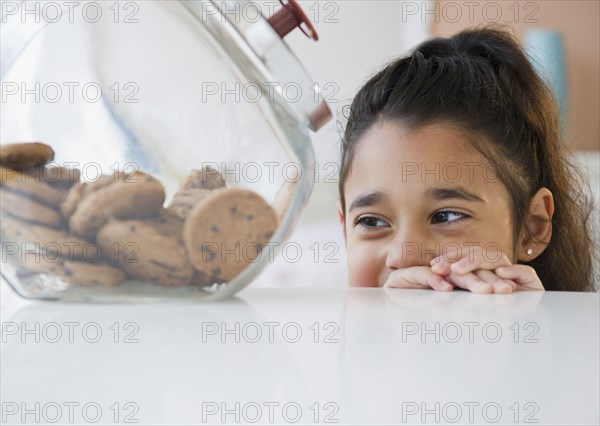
(523, 275)
(417, 277)
(485, 272)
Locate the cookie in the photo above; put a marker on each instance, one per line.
(226, 231)
(28, 210)
(85, 273)
(75, 273)
(185, 199)
(202, 279)
(39, 191)
(8, 175)
(137, 197)
(54, 175)
(58, 244)
(21, 156)
(168, 223)
(106, 180)
(80, 189)
(146, 254)
(69, 204)
(205, 178)
(57, 176)
(31, 263)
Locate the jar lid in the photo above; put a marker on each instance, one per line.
(258, 48)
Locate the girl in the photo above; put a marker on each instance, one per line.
(454, 174)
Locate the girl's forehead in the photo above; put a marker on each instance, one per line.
(388, 147)
(437, 141)
(394, 157)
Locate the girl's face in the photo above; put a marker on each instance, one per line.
(412, 195)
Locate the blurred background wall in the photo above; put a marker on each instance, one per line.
(578, 23)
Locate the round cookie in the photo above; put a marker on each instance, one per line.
(6, 222)
(185, 199)
(8, 175)
(205, 178)
(75, 273)
(70, 272)
(106, 180)
(39, 191)
(30, 263)
(146, 254)
(21, 156)
(54, 175)
(58, 244)
(80, 189)
(69, 204)
(85, 273)
(28, 210)
(226, 231)
(137, 197)
(168, 223)
(57, 176)
(202, 279)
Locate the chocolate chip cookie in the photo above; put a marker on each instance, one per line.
(227, 231)
(136, 197)
(205, 178)
(146, 254)
(21, 156)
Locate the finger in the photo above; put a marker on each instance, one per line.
(441, 266)
(470, 282)
(417, 277)
(402, 281)
(463, 261)
(480, 259)
(523, 275)
(499, 285)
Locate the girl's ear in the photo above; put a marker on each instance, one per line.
(537, 229)
(341, 218)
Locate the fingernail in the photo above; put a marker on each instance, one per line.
(436, 267)
(463, 262)
(435, 260)
(504, 288)
(501, 270)
(460, 265)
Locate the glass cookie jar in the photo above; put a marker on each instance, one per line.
(172, 151)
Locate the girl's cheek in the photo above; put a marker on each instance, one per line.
(364, 269)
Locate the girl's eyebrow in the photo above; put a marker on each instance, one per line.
(367, 200)
(458, 192)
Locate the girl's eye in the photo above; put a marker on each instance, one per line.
(370, 222)
(447, 217)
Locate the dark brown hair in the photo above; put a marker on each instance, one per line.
(481, 80)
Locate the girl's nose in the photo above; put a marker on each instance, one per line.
(404, 253)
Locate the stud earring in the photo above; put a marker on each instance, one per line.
(529, 251)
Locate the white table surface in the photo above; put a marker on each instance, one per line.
(371, 362)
